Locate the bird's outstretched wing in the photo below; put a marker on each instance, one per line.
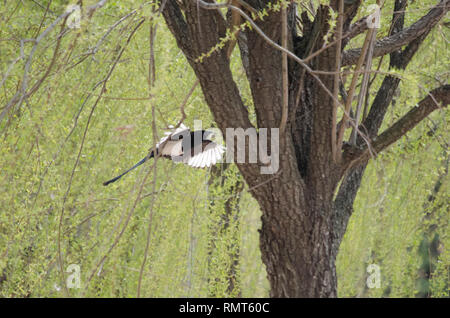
(211, 154)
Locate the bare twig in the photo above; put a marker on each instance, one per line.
(364, 85)
(183, 104)
(151, 83)
(337, 78)
(284, 70)
(350, 94)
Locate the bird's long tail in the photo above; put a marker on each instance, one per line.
(133, 167)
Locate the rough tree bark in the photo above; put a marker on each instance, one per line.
(302, 223)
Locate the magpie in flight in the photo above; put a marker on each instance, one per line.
(193, 148)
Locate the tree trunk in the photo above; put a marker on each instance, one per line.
(296, 238)
(296, 246)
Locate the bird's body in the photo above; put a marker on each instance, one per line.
(193, 148)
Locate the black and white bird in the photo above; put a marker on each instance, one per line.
(193, 148)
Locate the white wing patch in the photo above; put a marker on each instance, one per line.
(208, 157)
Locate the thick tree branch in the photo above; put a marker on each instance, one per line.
(439, 97)
(430, 103)
(350, 12)
(355, 29)
(394, 42)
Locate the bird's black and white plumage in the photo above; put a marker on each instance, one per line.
(193, 148)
